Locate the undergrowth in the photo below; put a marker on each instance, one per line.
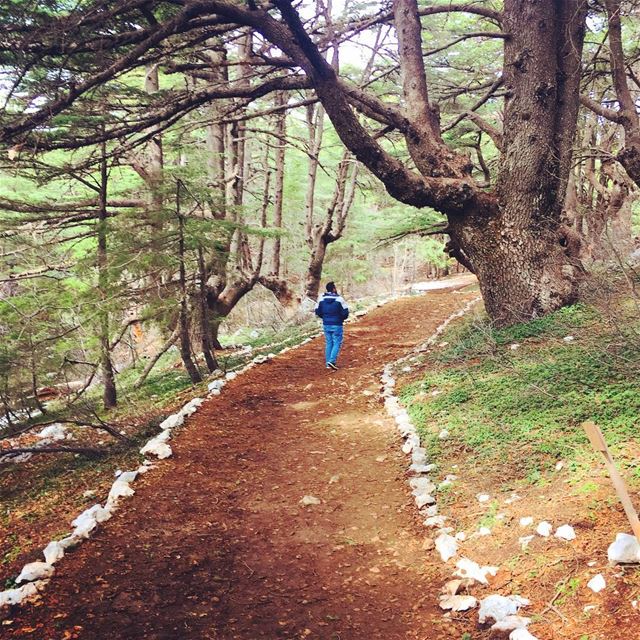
(518, 396)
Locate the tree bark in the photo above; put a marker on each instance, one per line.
(629, 156)
(109, 396)
(279, 133)
(205, 324)
(185, 339)
(521, 253)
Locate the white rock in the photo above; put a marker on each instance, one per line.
(511, 622)
(420, 483)
(53, 432)
(35, 571)
(453, 587)
(87, 521)
(431, 511)
(526, 522)
(69, 542)
(172, 421)
(215, 392)
(513, 498)
(525, 541)
(53, 552)
(128, 476)
(192, 406)
(446, 546)
(457, 603)
(121, 487)
(443, 435)
(423, 499)
(419, 456)
(435, 521)
(461, 536)
(484, 531)
(544, 529)
(565, 532)
(483, 497)
(499, 607)
(559, 466)
(231, 375)
(21, 594)
(421, 468)
(89, 493)
(514, 346)
(157, 447)
(568, 338)
(625, 550)
(597, 583)
(307, 501)
(216, 385)
(468, 569)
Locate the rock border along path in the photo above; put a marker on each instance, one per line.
(497, 609)
(219, 541)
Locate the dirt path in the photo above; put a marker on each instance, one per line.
(215, 543)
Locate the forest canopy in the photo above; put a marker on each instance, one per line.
(160, 159)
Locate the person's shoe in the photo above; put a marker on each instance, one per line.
(328, 366)
(333, 366)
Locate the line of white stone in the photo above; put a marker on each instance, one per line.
(501, 611)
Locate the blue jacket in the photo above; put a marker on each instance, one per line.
(332, 309)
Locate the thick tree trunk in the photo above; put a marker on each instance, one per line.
(526, 260)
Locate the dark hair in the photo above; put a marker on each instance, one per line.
(331, 286)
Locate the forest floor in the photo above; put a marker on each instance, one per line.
(216, 543)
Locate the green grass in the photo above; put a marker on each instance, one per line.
(527, 405)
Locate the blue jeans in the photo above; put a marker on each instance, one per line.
(333, 338)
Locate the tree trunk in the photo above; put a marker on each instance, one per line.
(205, 325)
(314, 270)
(280, 133)
(521, 252)
(155, 159)
(109, 396)
(629, 156)
(214, 328)
(185, 339)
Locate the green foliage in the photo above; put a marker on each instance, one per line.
(528, 404)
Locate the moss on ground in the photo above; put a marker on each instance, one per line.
(524, 406)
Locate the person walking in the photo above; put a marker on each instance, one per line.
(334, 311)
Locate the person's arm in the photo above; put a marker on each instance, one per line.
(345, 309)
(318, 309)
